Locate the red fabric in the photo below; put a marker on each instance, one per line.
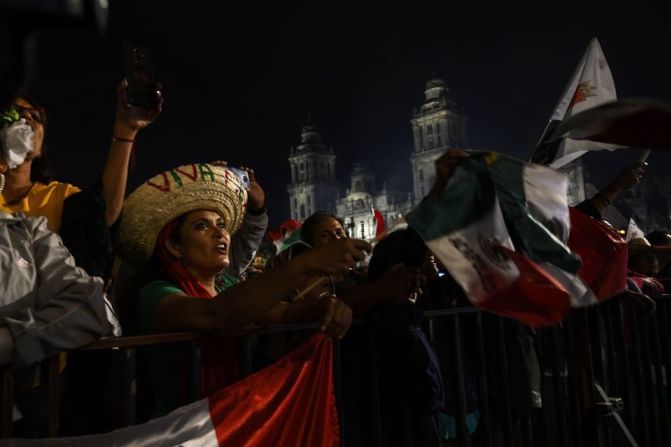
(289, 225)
(289, 403)
(274, 235)
(379, 228)
(219, 364)
(536, 298)
(603, 252)
(644, 283)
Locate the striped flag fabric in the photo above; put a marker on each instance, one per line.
(591, 85)
(289, 403)
(500, 227)
(378, 227)
(630, 122)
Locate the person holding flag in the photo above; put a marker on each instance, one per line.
(499, 226)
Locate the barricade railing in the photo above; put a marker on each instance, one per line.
(598, 379)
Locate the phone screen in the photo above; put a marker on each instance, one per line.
(139, 69)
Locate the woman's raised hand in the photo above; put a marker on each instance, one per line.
(129, 118)
(336, 257)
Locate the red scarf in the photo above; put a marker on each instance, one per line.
(219, 363)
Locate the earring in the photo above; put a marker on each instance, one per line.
(2, 181)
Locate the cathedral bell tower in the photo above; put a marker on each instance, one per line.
(436, 127)
(313, 184)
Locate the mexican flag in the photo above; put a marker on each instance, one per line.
(590, 85)
(289, 403)
(500, 227)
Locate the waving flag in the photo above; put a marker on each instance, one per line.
(603, 252)
(290, 403)
(635, 122)
(591, 85)
(500, 227)
(288, 233)
(633, 231)
(378, 227)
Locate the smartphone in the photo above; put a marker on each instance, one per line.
(139, 69)
(243, 176)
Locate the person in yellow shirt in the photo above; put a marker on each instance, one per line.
(28, 186)
(81, 217)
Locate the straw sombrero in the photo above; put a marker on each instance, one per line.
(169, 195)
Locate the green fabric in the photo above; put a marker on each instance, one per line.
(529, 236)
(466, 200)
(480, 179)
(148, 301)
(164, 364)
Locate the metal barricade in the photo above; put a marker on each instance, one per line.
(602, 374)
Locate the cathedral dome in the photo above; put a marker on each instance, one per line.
(310, 135)
(436, 88)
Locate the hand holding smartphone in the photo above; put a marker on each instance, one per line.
(141, 90)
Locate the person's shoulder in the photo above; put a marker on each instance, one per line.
(159, 288)
(32, 223)
(66, 189)
(223, 282)
(149, 299)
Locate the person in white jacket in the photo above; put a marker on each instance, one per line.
(47, 304)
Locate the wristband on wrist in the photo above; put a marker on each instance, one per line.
(255, 211)
(132, 148)
(124, 140)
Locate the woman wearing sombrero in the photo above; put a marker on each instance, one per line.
(180, 223)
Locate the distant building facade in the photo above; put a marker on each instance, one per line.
(436, 127)
(313, 184)
(356, 207)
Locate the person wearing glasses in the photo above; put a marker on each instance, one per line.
(81, 217)
(29, 186)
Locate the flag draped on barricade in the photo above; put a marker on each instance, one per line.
(500, 227)
(289, 403)
(591, 85)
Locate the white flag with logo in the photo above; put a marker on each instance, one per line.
(591, 85)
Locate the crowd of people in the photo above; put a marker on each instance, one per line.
(186, 238)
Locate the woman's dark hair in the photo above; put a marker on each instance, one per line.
(41, 170)
(404, 246)
(658, 237)
(310, 225)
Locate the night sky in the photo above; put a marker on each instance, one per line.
(240, 83)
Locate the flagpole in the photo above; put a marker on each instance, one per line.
(540, 139)
(644, 156)
(311, 286)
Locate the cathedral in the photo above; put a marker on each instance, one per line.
(436, 127)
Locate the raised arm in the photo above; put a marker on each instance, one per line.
(247, 239)
(445, 167)
(128, 122)
(252, 299)
(628, 178)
